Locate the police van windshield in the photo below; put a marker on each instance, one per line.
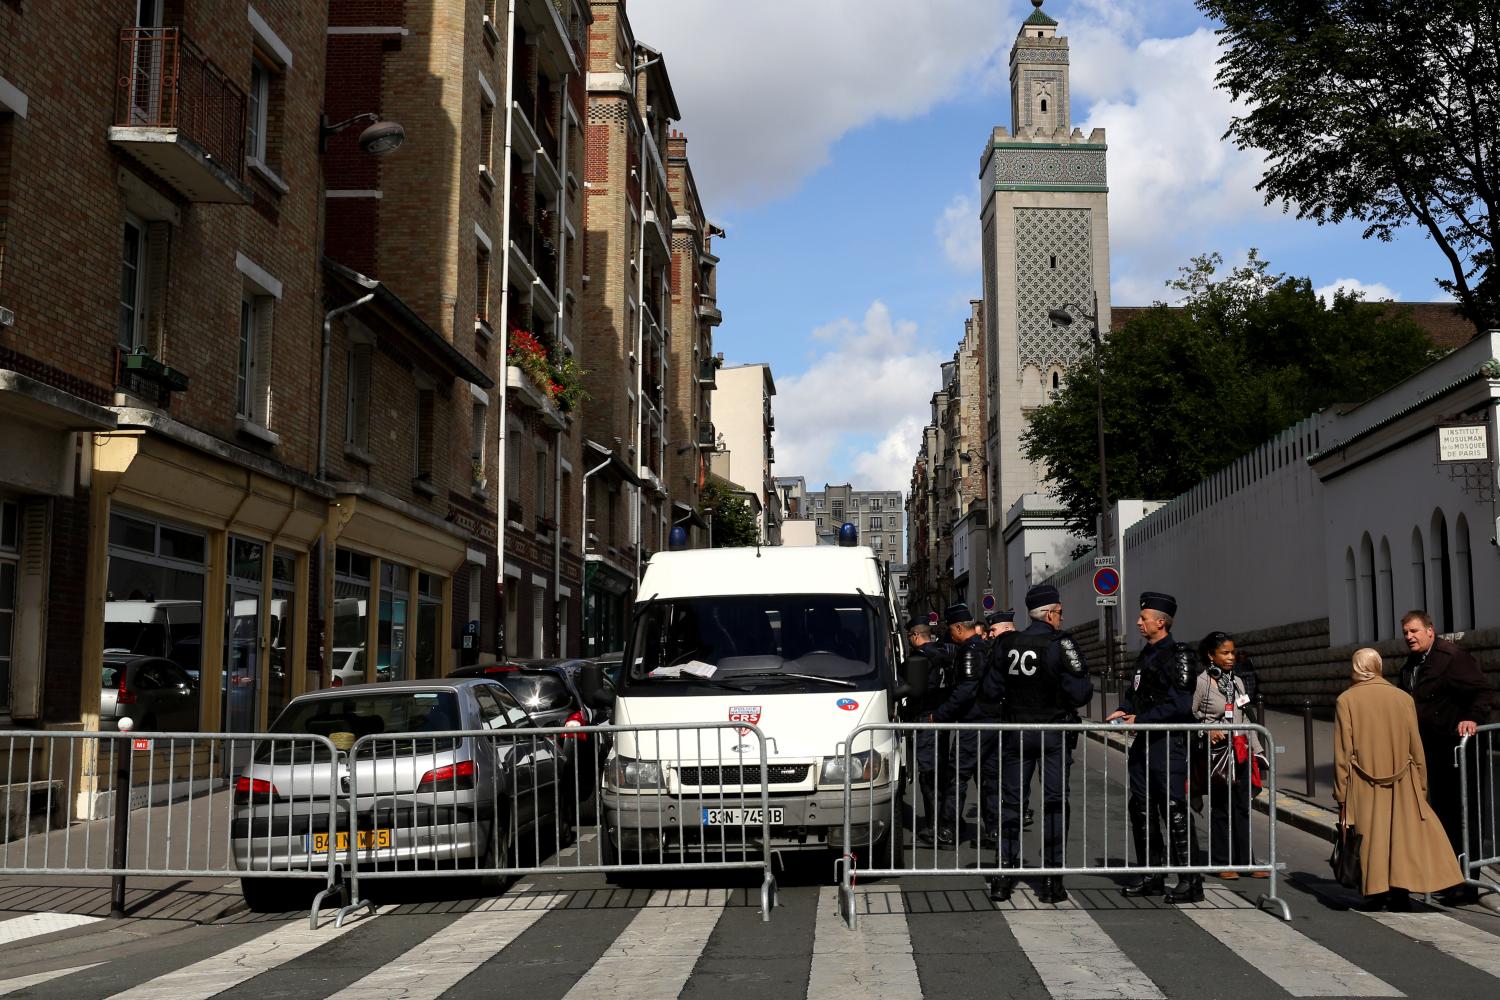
(782, 642)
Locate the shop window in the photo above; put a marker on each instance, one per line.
(284, 632)
(10, 552)
(426, 663)
(357, 398)
(242, 635)
(154, 607)
(351, 592)
(395, 611)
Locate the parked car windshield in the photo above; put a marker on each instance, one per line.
(345, 718)
(782, 642)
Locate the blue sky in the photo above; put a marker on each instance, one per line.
(838, 142)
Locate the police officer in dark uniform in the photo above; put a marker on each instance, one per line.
(969, 751)
(939, 658)
(1162, 692)
(1038, 675)
(997, 623)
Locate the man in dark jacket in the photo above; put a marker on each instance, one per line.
(1453, 699)
(1162, 692)
(972, 752)
(1038, 676)
(928, 748)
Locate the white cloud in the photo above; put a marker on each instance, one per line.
(766, 88)
(875, 378)
(957, 232)
(1369, 291)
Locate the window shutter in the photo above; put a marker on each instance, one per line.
(29, 642)
(265, 323)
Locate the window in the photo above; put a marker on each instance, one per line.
(252, 377)
(1054, 256)
(542, 509)
(357, 398)
(565, 522)
(424, 433)
(838, 511)
(477, 420)
(538, 621)
(820, 524)
(1054, 380)
(284, 634)
(875, 503)
(132, 333)
(893, 543)
(395, 609)
(875, 543)
(257, 108)
(1044, 111)
(486, 132)
(7, 128)
(875, 523)
(351, 602)
(512, 471)
(10, 552)
(482, 284)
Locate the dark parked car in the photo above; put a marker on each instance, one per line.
(548, 690)
(155, 693)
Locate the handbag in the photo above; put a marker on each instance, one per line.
(1345, 857)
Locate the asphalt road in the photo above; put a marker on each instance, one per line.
(670, 936)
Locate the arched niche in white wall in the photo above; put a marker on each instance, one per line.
(1418, 571)
(1385, 592)
(1351, 598)
(1463, 576)
(1440, 574)
(1369, 625)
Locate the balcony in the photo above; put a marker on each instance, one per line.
(708, 374)
(528, 394)
(180, 115)
(707, 439)
(537, 247)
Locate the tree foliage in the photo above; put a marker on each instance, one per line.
(1188, 389)
(1388, 113)
(733, 521)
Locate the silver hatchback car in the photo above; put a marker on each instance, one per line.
(411, 801)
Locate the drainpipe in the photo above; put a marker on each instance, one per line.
(562, 277)
(502, 421)
(640, 319)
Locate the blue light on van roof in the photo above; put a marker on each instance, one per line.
(848, 535)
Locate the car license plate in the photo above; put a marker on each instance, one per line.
(741, 817)
(369, 840)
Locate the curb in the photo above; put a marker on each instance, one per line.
(1295, 812)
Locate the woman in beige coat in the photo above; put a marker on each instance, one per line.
(1380, 782)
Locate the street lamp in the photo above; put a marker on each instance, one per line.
(380, 138)
(1063, 317)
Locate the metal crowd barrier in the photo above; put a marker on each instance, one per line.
(900, 841)
(170, 804)
(496, 803)
(1477, 773)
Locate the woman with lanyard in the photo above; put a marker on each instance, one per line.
(1232, 755)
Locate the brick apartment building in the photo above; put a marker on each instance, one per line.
(626, 316)
(475, 230)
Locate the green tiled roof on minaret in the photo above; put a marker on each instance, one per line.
(1039, 16)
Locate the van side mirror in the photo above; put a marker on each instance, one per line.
(914, 678)
(595, 691)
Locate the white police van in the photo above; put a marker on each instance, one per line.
(801, 642)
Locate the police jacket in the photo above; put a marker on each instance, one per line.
(939, 659)
(970, 662)
(1037, 675)
(1163, 687)
(1449, 687)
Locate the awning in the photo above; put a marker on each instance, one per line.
(594, 453)
(429, 344)
(38, 450)
(685, 514)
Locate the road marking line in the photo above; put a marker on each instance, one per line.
(440, 962)
(1075, 958)
(9, 986)
(1289, 958)
(36, 924)
(873, 961)
(1455, 938)
(656, 953)
(230, 968)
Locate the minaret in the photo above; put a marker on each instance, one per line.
(1044, 215)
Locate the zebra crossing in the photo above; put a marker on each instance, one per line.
(913, 941)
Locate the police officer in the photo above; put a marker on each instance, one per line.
(928, 754)
(1038, 676)
(968, 752)
(1158, 761)
(997, 623)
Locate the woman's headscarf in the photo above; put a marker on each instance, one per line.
(1368, 666)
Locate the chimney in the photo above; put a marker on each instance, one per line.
(676, 145)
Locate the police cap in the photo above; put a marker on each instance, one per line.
(1041, 595)
(957, 614)
(1153, 601)
(999, 617)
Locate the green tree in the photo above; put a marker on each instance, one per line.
(733, 521)
(1388, 113)
(1188, 389)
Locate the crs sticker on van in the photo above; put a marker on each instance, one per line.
(847, 704)
(748, 714)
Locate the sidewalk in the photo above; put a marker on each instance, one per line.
(1315, 814)
(200, 900)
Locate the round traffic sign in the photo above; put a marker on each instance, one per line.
(987, 602)
(1106, 581)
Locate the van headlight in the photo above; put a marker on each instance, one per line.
(627, 772)
(869, 767)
